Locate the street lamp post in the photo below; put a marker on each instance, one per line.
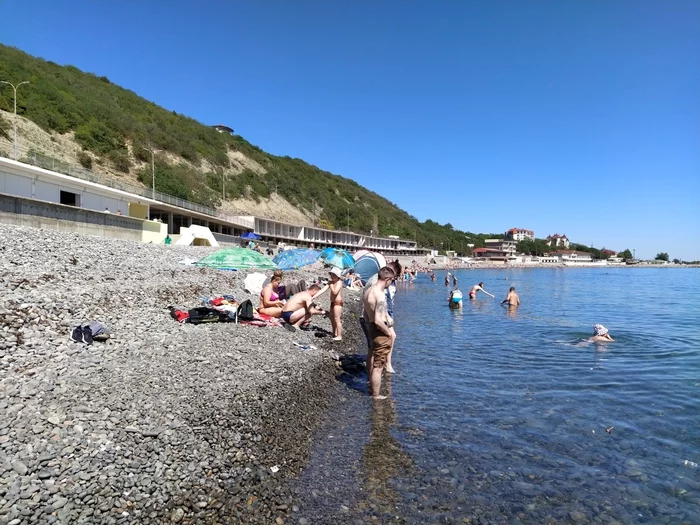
(14, 120)
(634, 254)
(153, 169)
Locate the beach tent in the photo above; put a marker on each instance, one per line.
(295, 258)
(337, 258)
(236, 259)
(368, 263)
(197, 235)
(251, 236)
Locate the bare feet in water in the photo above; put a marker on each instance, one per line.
(337, 339)
(390, 370)
(378, 398)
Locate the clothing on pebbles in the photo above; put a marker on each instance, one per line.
(164, 422)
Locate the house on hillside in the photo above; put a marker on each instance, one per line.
(518, 234)
(557, 241)
(223, 129)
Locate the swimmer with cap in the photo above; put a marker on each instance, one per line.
(600, 334)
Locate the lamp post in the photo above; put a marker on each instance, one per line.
(153, 169)
(634, 254)
(14, 120)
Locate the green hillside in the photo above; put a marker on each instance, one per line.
(113, 125)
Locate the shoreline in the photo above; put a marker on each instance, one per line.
(163, 422)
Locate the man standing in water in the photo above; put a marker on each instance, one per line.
(476, 288)
(512, 298)
(380, 330)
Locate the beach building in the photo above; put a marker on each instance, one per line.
(557, 240)
(574, 258)
(496, 250)
(518, 234)
(34, 196)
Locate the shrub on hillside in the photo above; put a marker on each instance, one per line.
(4, 128)
(85, 160)
(120, 160)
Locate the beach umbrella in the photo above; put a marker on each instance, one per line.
(251, 235)
(368, 263)
(236, 259)
(295, 258)
(337, 257)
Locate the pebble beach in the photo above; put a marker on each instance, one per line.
(164, 422)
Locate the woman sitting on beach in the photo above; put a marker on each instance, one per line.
(270, 302)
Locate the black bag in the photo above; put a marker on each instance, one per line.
(206, 315)
(245, 311)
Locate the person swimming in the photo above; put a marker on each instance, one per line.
(600, 334)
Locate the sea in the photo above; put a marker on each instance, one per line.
(511, 416)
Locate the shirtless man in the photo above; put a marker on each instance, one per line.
(300, 307)
(512, 298)
(476, 288)
(336, 288)
(379, 326)
(447, 279)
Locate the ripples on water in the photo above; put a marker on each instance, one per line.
(500, 416)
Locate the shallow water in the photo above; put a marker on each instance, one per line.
(500, 416)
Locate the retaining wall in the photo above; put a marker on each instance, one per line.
(41, 214)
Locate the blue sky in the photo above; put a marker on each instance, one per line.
(576, 117)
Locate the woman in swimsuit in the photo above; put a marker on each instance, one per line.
(476, 288)
(336, 287)
(270, 302)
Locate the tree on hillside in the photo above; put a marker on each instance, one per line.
(676, 261)
(663, 256)
(533, 247)
(627, 254)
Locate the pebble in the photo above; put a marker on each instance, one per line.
(157, 422)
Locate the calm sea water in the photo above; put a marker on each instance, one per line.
(500, 416)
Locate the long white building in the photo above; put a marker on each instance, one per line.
(71, 192)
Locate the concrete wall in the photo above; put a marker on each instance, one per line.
(39, 214)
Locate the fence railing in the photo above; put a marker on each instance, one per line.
(40, 160)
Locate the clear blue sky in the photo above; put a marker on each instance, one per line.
(576, 117)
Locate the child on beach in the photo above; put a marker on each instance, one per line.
(336, 287)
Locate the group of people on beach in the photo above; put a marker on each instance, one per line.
(298, 309)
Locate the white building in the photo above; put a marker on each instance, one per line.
(557, 241)
(73, 191)
(518, 234)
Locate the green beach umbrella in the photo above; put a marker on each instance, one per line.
(236, 259)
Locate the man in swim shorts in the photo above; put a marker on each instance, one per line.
(512, 298)
(300, 307)
(379, 326)
(476, 288)
(336, 287)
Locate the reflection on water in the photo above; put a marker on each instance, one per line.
(383, 458)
